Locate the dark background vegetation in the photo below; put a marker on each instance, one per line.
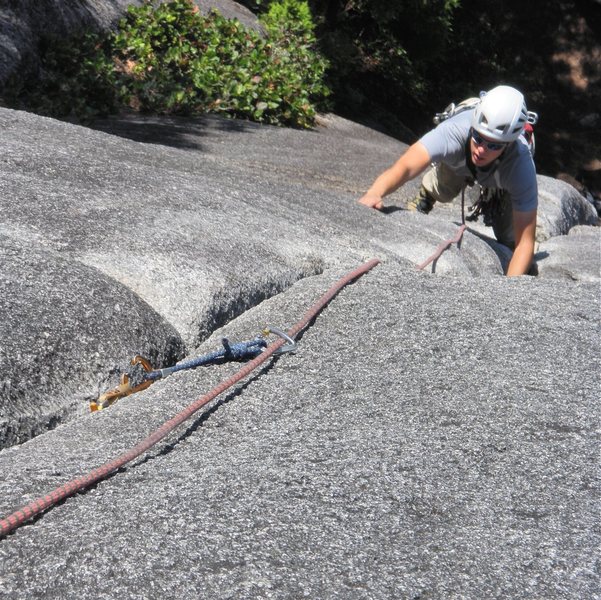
(549, 49)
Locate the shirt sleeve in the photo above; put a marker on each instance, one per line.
(448, 139)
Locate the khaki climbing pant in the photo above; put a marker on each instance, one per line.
(443, 185)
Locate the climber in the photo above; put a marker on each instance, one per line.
(485, 145)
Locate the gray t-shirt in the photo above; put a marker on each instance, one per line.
(513, 172)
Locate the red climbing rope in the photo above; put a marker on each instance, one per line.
(444, 245)
(41, 504)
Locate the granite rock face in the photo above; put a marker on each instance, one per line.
(62, 324)
(434, 435)
(576, 256)
(561, 207)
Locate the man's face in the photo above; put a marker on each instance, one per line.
(484, 151)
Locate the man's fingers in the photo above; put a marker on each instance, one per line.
(372, 202)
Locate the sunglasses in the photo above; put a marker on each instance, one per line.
(480, 141)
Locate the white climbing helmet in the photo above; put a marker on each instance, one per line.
(501, 114)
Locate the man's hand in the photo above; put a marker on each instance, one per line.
(410, 165)
(372, 200)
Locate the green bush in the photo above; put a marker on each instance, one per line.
(297, 70)
(170, 59)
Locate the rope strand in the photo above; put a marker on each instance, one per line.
(444, 245)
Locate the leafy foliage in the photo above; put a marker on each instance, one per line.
(168, 58)
(299, 71)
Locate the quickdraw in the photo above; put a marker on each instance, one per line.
(142, 375)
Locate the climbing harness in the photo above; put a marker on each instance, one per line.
(43, 503)
(142, 375)
(487, 205)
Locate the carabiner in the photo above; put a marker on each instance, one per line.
(289, 347)
(124, 388)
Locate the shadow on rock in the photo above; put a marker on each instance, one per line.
(176, 132)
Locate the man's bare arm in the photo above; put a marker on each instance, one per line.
(524, 227)
(409, 166)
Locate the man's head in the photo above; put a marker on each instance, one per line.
(498, 120)
(501, 114)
